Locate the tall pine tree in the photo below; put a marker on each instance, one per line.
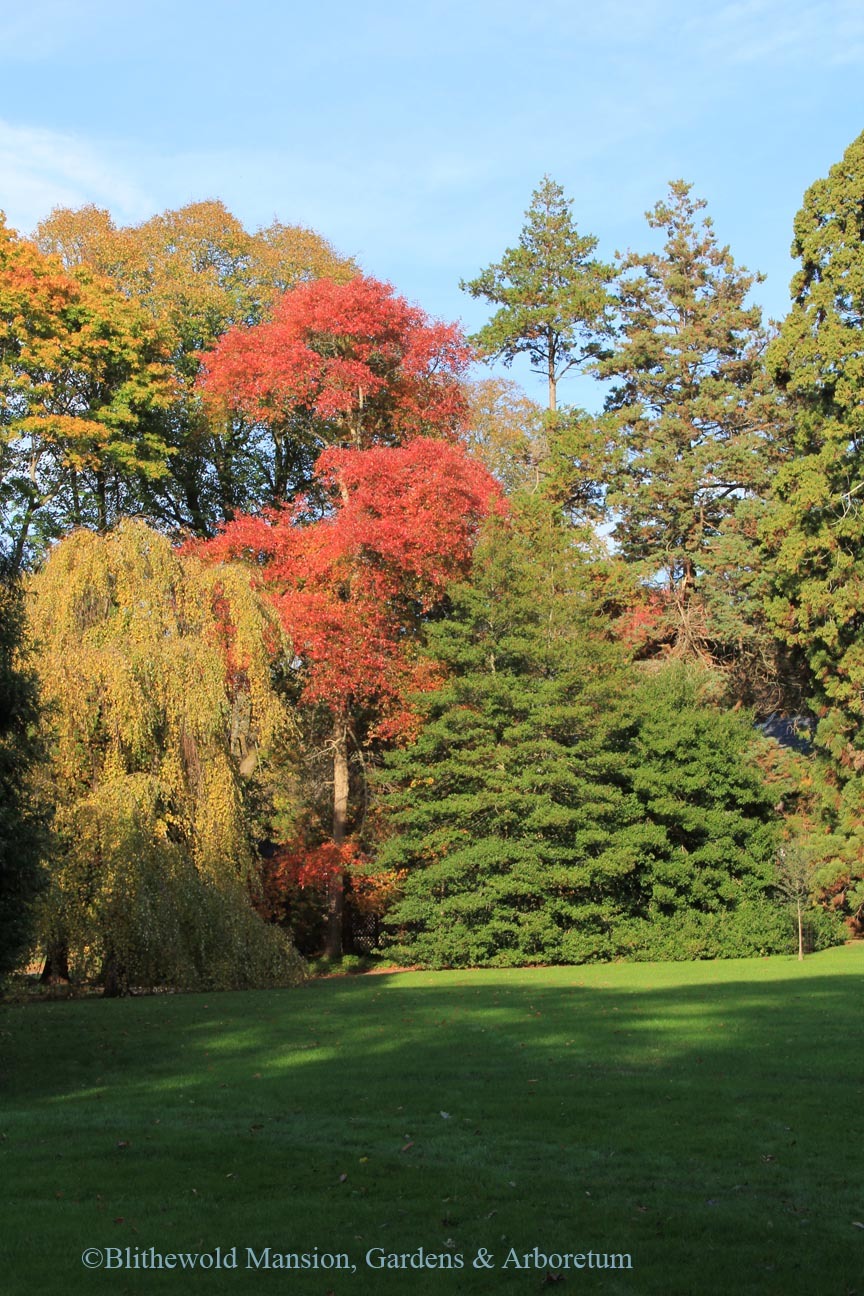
(813, 534)
(692, 429)
(506, 810)
(558, 807)
(551, 293)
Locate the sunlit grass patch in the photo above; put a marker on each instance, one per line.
(701, 1118)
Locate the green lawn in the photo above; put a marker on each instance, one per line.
(705, 1119)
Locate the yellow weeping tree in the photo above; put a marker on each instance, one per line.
(164, 728)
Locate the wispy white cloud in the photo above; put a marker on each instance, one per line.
(41, 169)
(386, 212)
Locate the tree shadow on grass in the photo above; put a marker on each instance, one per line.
(705, 1119)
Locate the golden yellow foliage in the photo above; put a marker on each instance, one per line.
(156, 672)
(196, 268)
(195, 273)
(506, 432)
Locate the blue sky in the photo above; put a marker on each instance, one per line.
(412, 136)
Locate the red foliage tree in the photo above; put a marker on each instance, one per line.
(365, 371)
(352, 588)
(361, 363)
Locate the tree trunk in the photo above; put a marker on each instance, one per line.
(16, 561)
(102, 500)
(113, 977)
(56, 963)
(800, 934)
(336, 885)
(76, 499)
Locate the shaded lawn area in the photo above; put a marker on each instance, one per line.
(704, 1118)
